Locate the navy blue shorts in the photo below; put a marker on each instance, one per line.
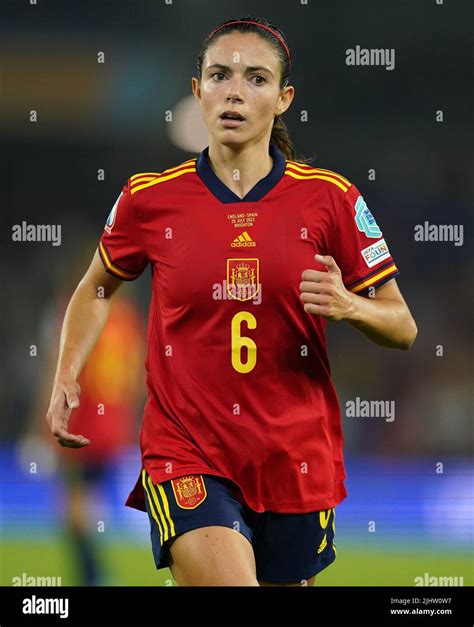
(288, 548)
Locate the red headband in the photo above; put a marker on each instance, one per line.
(287, 50)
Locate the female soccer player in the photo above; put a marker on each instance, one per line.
(251, 252)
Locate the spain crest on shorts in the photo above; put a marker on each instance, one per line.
(189, 491)
(243, 278)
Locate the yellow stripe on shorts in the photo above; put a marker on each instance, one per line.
(152, 506)
(167, 509)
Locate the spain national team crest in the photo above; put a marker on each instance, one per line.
(189, 491)
(243, 278)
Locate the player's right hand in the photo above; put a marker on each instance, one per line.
(64, 399)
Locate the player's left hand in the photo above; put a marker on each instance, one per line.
(324, 293)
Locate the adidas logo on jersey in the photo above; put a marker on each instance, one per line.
(242, 240)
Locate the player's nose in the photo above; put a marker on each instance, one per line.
(234, 88)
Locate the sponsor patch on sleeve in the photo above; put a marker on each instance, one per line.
(375, 253)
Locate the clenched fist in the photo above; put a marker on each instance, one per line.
(324, 293)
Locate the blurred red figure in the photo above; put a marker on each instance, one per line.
(113, 392)
(111, 387)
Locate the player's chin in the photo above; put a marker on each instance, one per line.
(232, 142)
(236, 132)
(231, 134)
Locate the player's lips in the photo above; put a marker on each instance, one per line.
(231, 119)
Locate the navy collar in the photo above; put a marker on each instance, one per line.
(226, 195)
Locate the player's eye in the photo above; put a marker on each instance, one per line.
(217, 74)
(259, 76)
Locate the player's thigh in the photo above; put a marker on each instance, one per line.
(213, 556)
(199, 529)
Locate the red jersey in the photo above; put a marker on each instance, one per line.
(238, 378)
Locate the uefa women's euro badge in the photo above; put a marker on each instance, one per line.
(365, 220)
(112, 215)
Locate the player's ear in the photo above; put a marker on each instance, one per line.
(196, 87)
(286, 98)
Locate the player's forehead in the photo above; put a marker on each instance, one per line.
(241, 49)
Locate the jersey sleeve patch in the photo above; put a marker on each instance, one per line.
(359, 246)
(365, 220)
(121, 247)
(375, 253)
(109, 225)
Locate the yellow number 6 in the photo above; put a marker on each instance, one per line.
(238, 341)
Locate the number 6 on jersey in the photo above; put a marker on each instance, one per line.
(238, 341)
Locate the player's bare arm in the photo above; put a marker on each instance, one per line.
(385, 318)
(85, 318)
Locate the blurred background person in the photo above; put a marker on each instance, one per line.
(108, 413)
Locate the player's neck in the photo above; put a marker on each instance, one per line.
(240, 169)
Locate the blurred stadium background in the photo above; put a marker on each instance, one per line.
(410, 505)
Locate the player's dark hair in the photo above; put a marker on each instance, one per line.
(280, 136)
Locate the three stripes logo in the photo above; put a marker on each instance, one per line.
(243, 240)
